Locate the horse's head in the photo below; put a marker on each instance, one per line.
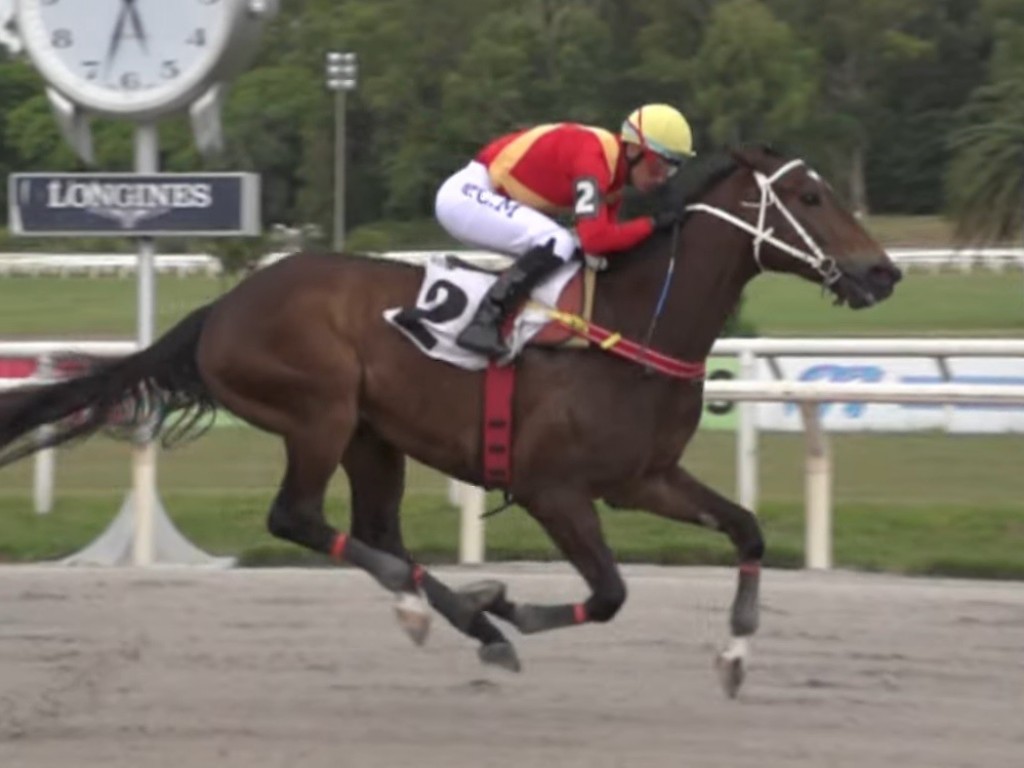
(799, 226)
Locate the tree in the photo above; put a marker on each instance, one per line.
(866, 91)
(861, 44)
(908, 134)
(757, 81)
(986, 178)
(17, 84)
(270, 115)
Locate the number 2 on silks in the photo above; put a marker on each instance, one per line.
(586, 198)
(448, 302)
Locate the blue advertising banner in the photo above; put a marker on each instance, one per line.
(135, 205)
(895, 417)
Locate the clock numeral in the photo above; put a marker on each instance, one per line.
(62, 38)
(92, 69)
(197, 38)
(169, 69)
(131, 81)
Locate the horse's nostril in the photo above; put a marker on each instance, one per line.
(892, 272)
(885, 275)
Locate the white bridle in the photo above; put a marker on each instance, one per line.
(814, 256)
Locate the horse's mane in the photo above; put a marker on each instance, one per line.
(699, 176)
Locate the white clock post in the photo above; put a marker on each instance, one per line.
(144, 494)
(142, 60)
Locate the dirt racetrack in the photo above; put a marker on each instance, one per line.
(192, 668)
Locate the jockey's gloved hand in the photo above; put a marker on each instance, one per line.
(666, 219)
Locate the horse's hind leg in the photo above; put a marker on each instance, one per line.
(570, 519)
(376, 473)
(314, 450)
(677, 495)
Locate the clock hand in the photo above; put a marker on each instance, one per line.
(129, 12)
(140, 32)
(112, 49)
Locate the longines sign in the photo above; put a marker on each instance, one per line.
(130, 204)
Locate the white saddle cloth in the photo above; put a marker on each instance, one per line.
(449, 296)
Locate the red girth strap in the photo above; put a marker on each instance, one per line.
(499, 388)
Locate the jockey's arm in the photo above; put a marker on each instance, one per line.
(600, 232)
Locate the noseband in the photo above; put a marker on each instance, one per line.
(813, 255)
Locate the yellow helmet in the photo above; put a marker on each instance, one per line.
(661, 129)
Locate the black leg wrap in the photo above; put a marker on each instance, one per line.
(745, 610)
(538, 618)
(391, 572)
(526, 617)
(460, 612)
(488, 595)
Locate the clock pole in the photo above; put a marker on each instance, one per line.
(147, 161)
(143, 78)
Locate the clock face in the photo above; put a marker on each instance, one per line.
(126, 56)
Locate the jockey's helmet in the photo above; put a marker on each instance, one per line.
(661, 129)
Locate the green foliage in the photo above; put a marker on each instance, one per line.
(871, 92)
(237, 255)
(758, 82)
(985, 179)
(910, 503)
(909, 134)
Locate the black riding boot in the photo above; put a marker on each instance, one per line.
(512, 288)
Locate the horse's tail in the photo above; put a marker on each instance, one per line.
(124, 396)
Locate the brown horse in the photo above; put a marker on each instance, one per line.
(300, 349)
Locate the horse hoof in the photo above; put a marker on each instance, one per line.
(414, 616)
(731, 665)
(730, 674)
(500, 654)
(481, 595)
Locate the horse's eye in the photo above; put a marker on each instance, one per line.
(810, 198)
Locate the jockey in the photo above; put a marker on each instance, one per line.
(505, 198)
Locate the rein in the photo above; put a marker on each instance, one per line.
(660, 306)
(610, 341)
(642, 354)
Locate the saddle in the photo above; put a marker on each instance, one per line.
(451, 290)
(575, 298)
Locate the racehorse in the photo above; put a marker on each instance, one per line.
(300, 349)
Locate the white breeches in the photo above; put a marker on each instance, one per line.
(471, 211)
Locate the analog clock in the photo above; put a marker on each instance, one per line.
(136, 58)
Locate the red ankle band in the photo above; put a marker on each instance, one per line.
(338, 547)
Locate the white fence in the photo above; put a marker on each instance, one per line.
(808, 396)
(97, 264)
(751, 351)
(964, 259)
(818, 482)
(934, 259)
(45, 353)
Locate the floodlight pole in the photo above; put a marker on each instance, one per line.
(339, 169)
(340, 71)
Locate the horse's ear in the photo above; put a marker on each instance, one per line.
(748, 156)
(757, 156)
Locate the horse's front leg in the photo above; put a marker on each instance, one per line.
(675, 494)
(572, 523)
